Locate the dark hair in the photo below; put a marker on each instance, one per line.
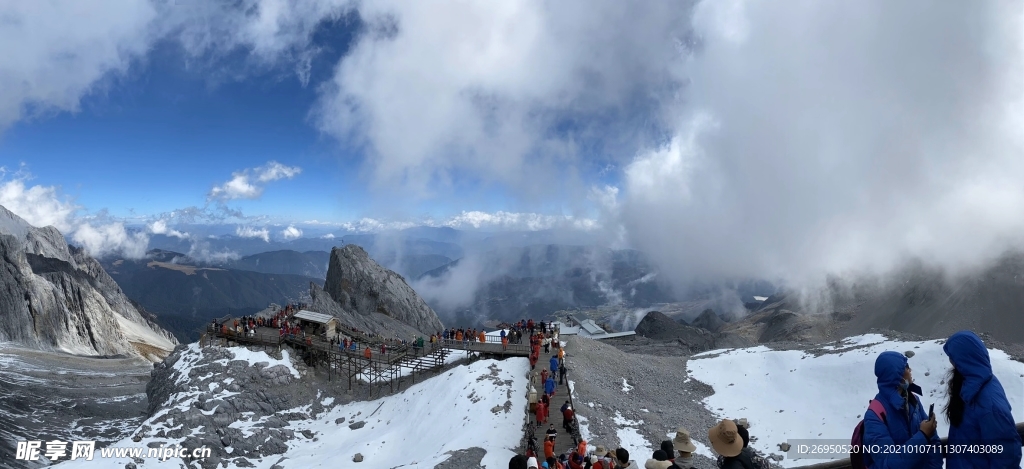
(744, 434)
(954, 409)
(551, 462)
(517, 462)
(622, 455)
(666, 446)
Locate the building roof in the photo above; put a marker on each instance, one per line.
(589, 328)
(311, 316)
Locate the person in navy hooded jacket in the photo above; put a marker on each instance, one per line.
(978, 411)
(905, 423)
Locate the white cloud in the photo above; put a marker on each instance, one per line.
(291, 233)
(160, 227)
(517, 221)
(328, 236)
(42, 206)
(111, 238)
(39, 205)
(274, 171)
(200, 250)
(249, 184)
(478, 220)
(250, 232)
(499, 78)
(57, 52)
(371, 225)
(838, 138)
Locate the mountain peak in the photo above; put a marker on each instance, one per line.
(56, 297)
(359, 284)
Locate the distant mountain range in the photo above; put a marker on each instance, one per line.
(307, 264)
(185, 294)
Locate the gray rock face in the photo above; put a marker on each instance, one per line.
(656, 325)
(358, 284)
(197, 394)
(464, 459)
(55, 297)
(376, 323)
(708, 320)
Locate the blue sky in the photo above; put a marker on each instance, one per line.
(161, 136)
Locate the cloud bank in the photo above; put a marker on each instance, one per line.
(731, 138)
(42, 206)
(838, 138)
(251, 232)
(782, 140)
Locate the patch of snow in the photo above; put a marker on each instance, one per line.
(626, 388)
(630, 438)
(242, 353)
(801, 396)
(760, 298)
(416, 428)
(136, 332)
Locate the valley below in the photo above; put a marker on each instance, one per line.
(57, 396)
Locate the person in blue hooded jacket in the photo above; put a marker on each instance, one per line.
(906, 423)
(554, 364)
(549, 386)
(978, 411)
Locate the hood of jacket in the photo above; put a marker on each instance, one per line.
(889, 369)
(970, 357)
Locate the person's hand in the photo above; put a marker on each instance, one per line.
(928, 427)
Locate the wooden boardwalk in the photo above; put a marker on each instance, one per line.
(379, 369)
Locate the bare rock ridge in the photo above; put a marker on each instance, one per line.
(56, 297)
(371, 297)
(655, 325)
(709, 320)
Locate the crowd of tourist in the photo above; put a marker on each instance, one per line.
(982, 430)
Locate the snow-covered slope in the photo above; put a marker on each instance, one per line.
(224, 397)
(792, 394)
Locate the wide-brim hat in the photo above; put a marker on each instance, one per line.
(725, 439)
(682, 441)
(601, 451)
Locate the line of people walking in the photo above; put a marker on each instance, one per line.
(896, 431)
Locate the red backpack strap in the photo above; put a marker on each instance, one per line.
(877, 407)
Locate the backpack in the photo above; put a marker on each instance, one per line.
(857, 441)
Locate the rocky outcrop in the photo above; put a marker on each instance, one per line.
(708, 320)
(656, 325)
(361, 286)
(236, 402)
(55, 297)
(375, 323)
